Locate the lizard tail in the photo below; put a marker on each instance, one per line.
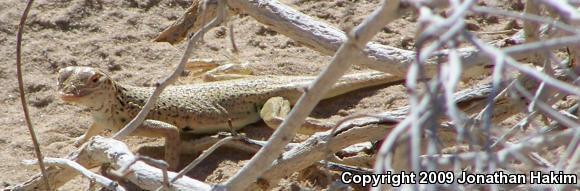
(352, 82)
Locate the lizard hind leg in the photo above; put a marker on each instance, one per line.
(276, 109)
(154, 128)
(217, 70)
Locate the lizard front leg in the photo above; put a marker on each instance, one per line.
(154, 128)
(276, 109)
(93, 130)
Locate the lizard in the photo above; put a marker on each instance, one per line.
(199, 108)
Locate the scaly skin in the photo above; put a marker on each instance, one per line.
(196, 108)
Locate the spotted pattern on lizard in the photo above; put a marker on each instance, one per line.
(195, 108)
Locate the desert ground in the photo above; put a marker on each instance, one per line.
(116, 36)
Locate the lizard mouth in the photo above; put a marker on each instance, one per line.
(70, 97)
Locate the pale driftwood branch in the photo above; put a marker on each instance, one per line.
(100, 151)
(371, 129)
(316, 148)
(320, 36)
(342, 60)
(463, 53)
(313, 150)
(315, 34)
(59, 176)
(106, 150)
(326, 39)
(65, 163)
(323, 37)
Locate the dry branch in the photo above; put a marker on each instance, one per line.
(180, 28)
(297, 155)
(37, 151)
(301, 155)
(65, 163)
(313, 150)
(503, 156)
(57, 176)
(326, 39)
(116, 153)
(321, 36)
(200, 144)
(203, 155)
(99, 151)
(342, 60)
(440, 31)
(160, 86)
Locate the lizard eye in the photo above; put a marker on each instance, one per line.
(95, 78)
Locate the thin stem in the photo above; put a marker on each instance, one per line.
(37, 151)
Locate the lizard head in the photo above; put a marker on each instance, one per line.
(83, 84)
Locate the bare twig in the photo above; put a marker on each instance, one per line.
(326, 39)
(65, 163)
(329, 151)
(524, 122)
(565, 10)
(350, 50)
(37, 151)
(493, 53)
(504, 155)
(135, 122)
(160, 164)
(317, 147)
(553, 114)
(527, 17)
(302, 155)
(203, 155)
(425, 107)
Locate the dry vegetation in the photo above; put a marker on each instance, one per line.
(477, 86)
